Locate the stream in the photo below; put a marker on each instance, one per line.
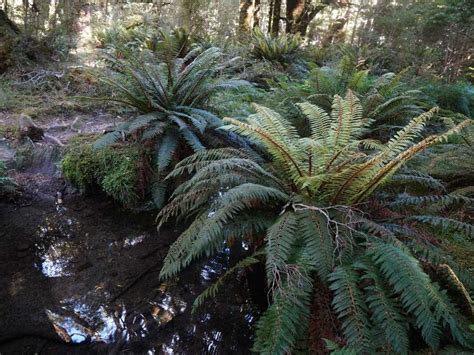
(81, 275)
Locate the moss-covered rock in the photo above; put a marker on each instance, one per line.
(117, 170)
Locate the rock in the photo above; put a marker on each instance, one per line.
(27, 128)
(36, 134)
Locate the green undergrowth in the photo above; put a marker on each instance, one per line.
(118, 170)
(44, 92)
(7, 185)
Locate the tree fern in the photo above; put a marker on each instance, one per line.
(321, 204)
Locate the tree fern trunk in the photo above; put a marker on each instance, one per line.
(323, 323)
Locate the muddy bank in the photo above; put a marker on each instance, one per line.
(80, 275)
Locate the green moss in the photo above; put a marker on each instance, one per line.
(118, 172)
(115, 169)
(80, 165)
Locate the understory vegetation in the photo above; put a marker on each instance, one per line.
(335, 155)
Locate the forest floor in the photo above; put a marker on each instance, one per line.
(80, 274)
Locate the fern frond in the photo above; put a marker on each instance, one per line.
(165, 149)
(385, 311)
(319, 121)
(286, 320)
(280, 239)
(214, 288)
(158, 192)
(408, 279)
(446, 223)
(108, 139)
(404, 200)
(350, 307)
(318, 242)
(142, 121)
(418, 178)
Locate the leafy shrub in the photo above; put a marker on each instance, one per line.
(7, 96)
(325, 212)
(385, 98)
(130, 33)
(458, 97)
(172, 98)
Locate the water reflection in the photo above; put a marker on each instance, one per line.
(218, 326)
(55, 248)
(55, 261)
(78, 321)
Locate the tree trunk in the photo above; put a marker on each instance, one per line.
(6, 23)
(256, 13)
(274, 17)
(299, 14)
(249, 15)
(9, 32)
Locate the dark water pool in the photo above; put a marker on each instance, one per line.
(81, 276)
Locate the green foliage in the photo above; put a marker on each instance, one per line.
(457, 97)
(7, 96)
(214, 288)
(7, 185)
(119, 172)
(313, 206)
(177, 42)
(280, 49)
(116, 169)
(172, 97)
(385, 99)
(131, 33)
(79, 165)
(429, 35)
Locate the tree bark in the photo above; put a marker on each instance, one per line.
(9, 24)
(299, 14)
(274, 17)
(249, 15)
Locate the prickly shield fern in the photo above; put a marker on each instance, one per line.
(384, 99)
(310, 214)
(279, 49)
(171, 97)
(177, 42)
